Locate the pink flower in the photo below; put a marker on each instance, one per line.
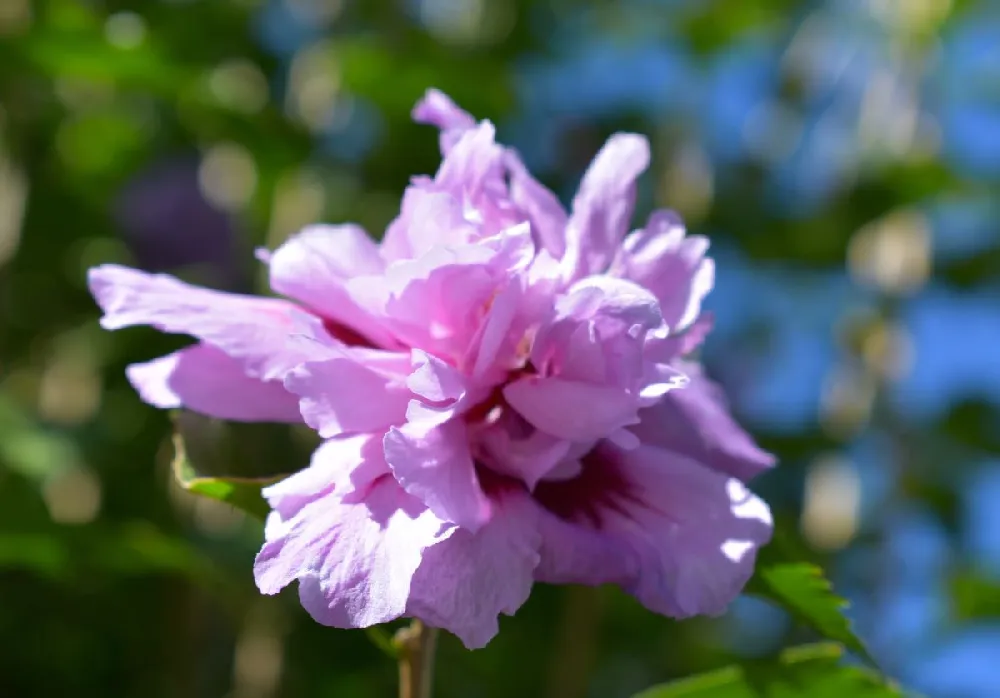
(502, 391)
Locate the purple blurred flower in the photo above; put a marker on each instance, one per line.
(502, 390)
(168, 224)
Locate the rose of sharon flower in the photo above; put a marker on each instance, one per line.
(502, 390)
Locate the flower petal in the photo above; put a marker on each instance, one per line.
(602, 208)
(696, 423)
(433, 463)
(467, 579)
(342, 395)
(355, 560)
(493, 351)
(313, 265)
(525, 457)
(434, 380)
(204, 379)
(575, 554)
(569, 409)
(255, 331)
(673, 267)
(598, 334)
(417, 298)
(346, 465)
(437, 109)
(427, 218)
(547, 216)
(696, 532)
(474, 159)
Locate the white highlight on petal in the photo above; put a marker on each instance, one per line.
(745, 504)
(736, 549)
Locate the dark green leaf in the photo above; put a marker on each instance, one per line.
(811, 671)
(39, 553)
(242, 493)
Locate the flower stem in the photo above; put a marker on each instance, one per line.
(416, 644)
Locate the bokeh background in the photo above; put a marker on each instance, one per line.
(843, 156)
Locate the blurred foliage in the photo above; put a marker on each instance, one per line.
(805, 671)
(178, 135)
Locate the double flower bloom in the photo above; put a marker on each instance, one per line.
(502, 389)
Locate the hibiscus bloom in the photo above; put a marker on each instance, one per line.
(502, 389)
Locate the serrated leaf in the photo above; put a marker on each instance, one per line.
(242, 493)
(801, 589)
(810, 671)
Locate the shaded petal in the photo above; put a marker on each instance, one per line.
(342, 395)
(602, 208)
(355, 561)
(569, 409)
(576, 554)
(204, 379)
(255, 331)
(465, 581)
(527, 458)
(695, 422)
(547, 216)
(433, 463)
(695, 530)
(312, 266)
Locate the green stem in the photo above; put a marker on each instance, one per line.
(416, 644)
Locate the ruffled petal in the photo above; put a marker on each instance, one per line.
(347, 465)
(513, 448)
(313, 265)
(672, 267)
(439, 301)
(547, 216)
(433, 463)
(437, 109)
(696, 532)
(342, 395)
(602, 208)
(465, 581)
(255, 331)
(474, 165)
(355, 561)
(204, 379)
(695, 422)
(434, 380)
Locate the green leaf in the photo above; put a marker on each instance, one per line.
(811, 671)
(801, 589)
(43, 554)
(242, 493)
(974, 595)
